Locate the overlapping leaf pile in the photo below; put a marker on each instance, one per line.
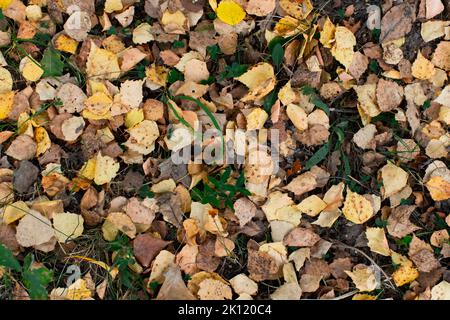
(95, 95)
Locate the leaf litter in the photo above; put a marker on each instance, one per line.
(94, 99)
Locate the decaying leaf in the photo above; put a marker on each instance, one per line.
(398, 224)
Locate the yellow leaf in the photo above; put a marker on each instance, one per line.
(142, 137)
(327, 34)
(312, 205)
(286, 94)
(113, 5)
(422, 68)
(6, 82)
(256, 119)
(377, 241)
(343, 48)
(439, 188)
(133, 117)
(289, 26)
(357, 209)
(363, 296)
(297, 9)
(42, 140)
(106, 169)
(230, 12)
(97, 106)
(260, 79)
(78, 291)
(406, 273)
(66, 44)
(102, 64)
(177, 18)
(213, 4)
(367, 99)
(116, 221)
(6, 103)
(88, 169)
(298, 117)
(30, 69)
(15, 211)
(160, 265)
(157, 74)
(68, 226)
(5, 3)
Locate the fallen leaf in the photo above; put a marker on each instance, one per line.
(441, 291)
(356, 208)
(422, 68)
(147, 247)
(397, 22)
(34, 229)
(287, 291)
(242, 284)
(106, 169)
(245, 210)
(364, 278)
(398, 223)
(394, 179)
(68, 226)
(301, 237)
(377, 241)
(230, 12)
(260, 8)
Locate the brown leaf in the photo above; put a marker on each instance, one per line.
(425, 261)
(397, 22)
(245, 210)
(301, 237)
(398, 224)
(206, 260)
(147, 247)
(22, 148)
(89, 199)
(302, 184)
(174, 287)
(187, 259)
(261, 266)
(141, 212)
(339, 266)
(389, 95)
(8, 237)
